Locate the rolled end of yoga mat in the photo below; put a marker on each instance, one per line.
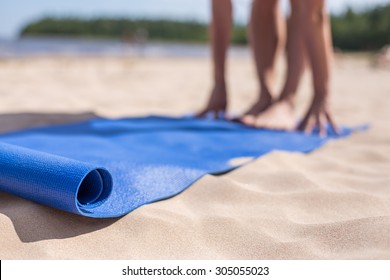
(52, 180)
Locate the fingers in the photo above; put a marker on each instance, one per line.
(303, 124)
(212, 114)
(318, 120)
(201, 114)
(321, 124)
(310, 124)
(333, 125)
(221, 115)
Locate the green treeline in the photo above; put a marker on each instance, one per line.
(164, 30)
(368, 30)
(353, 31)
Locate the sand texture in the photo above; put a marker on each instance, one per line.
(331, 204)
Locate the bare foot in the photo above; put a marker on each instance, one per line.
(280, 116)
(217, 104)
(259, 107)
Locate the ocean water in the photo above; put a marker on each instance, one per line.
(37, 46)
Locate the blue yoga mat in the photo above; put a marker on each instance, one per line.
(106, 168)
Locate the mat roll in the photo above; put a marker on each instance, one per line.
(55, 181)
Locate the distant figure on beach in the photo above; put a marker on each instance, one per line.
(308, 43)
(384, 57)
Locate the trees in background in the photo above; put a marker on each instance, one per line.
(367, 30)
(352, 31)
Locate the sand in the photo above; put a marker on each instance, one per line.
(331, 204)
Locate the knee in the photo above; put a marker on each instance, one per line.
(314, 14)
(318, 16)
(296, 8)
(265, 8)
(221, 3)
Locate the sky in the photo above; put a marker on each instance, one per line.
(14, 14)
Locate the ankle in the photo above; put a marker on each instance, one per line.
(288, 99)
(265, 97)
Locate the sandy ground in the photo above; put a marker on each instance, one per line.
(331, 204)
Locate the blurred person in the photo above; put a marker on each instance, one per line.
(384, 57)
(308, 39)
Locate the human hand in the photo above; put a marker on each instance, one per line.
(318, 116)
(217, 104)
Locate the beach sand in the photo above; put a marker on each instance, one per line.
(331, 204)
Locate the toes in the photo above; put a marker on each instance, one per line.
(262, 123)
(249, 120)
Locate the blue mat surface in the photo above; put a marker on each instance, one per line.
(106, 168)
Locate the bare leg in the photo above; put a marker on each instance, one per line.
(295, 53)
(220, 32)
(281, 114)
(317, 40)
(266, 32)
